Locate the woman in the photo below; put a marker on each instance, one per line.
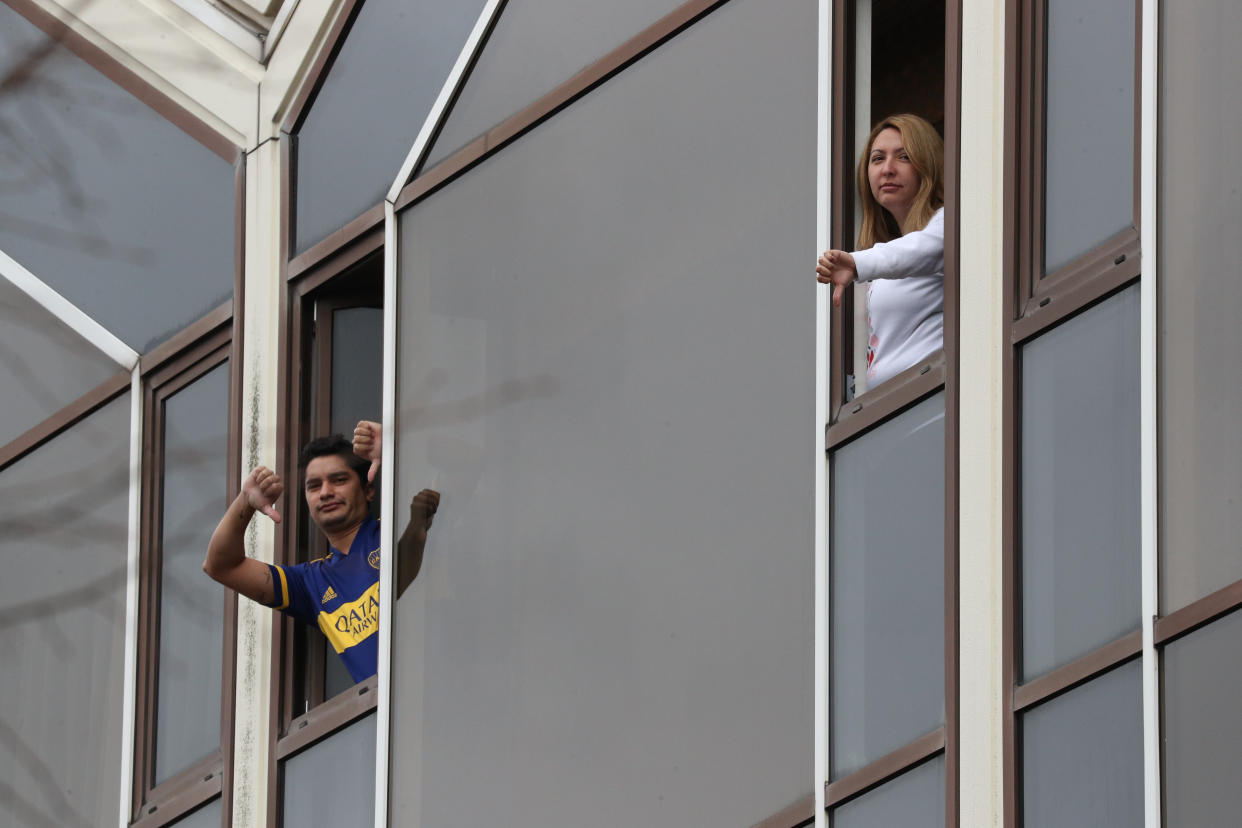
(900, 246)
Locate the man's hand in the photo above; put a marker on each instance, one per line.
(368, 440)
(262, 489)
(837, 268)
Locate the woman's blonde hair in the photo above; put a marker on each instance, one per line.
(925, 149)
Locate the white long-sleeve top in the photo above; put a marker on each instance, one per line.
(905, 304)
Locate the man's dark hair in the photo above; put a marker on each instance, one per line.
(338, 445)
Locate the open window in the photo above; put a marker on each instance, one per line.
(892, 736)
(336, 339)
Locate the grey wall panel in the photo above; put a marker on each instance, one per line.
(1203, 726)
(536, 45)
(191, 604)
(913, 800)
(1200, 300)
(371, 105)
(606, 367)
(1080, 485)
(64, 514)
(120, 211)
(1089, 126)
(357, 363)
(347, 758)
(44, 364)
(1082, 755)
(887, 588)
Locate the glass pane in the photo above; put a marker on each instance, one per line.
(1080, 485)
(1200, 296)
(191, 604)
(357, 367)
(535, 46)
(887, 587)
(65, 510)
(624, 544)
(107, 201)
(1082, 755)
(913, 800)
(372, 104)
(1203, 726)
(44, 364)
(1089, 126)
(347, 757)
(208, 816)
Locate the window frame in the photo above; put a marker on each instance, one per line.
(304, 402)
(850, 419)
(1033, 306)
(181, 361)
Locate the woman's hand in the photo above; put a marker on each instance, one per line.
(837, 268)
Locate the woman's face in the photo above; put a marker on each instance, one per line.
(894, 181)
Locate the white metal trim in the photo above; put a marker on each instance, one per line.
(246, 39)
(1148, 426)
(279, 24)
(447, 91)
(67, 312)
(823, 216)
(862, 128)
(130, 681)
(387, 487)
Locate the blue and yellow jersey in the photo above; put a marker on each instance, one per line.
(339, 593)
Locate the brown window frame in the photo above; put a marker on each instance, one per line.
(171, 367)
(321, 275)
(1032, 307)
(939, 372)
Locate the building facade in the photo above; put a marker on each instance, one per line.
(688, 568)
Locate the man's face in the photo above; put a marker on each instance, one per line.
(336, 496)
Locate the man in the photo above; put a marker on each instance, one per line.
(340, 592)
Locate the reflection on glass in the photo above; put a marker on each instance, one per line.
(1080, 485)
(1203, 726)
(96, 198)
(396, 51)
(44, 364)
(64, 508)
(887, 587)
(617, 421)
(191, 605)
(550, 40)
(1082, 755)
(347, 758)
(1199, 298)
(913, 800)
(1089, 126)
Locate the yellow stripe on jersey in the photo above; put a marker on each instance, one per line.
(352, 622)
(284, 588)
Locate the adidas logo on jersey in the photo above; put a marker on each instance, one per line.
(328, 596)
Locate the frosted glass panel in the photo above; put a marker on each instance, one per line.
(1089, 126)
(113, 206)
(887, 587)
(347, 757)
(378, 92)
(1082, 755)
(64, 509)
(357, 367)
(191, 604)
(1200, 298)
(913, 800)
(611, 386)
(535, 46)
(1080, 485)
(1203, 726)
(44, 364)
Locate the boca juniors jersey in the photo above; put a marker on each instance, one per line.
(339, 594)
